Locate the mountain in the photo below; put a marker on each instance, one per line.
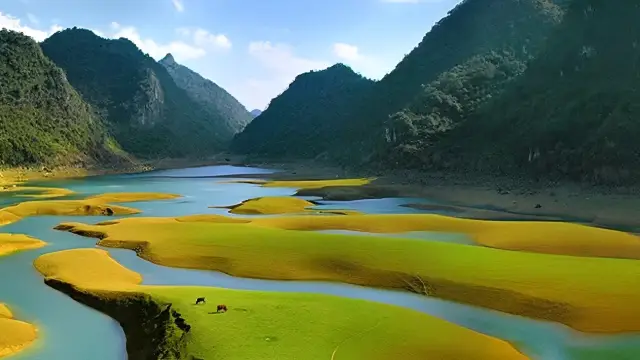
(472, 28)
(222, 108)
(141, 104)
(302, 121)
(574, 113)
(255, 112)
(445, 104)
(43, 120)
(466, 59)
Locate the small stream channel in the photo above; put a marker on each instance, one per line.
(70, 330)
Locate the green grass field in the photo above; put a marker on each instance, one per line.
(274, 325)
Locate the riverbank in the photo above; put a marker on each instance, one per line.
(15, 175)
(476, 196)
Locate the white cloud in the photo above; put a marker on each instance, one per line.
(199, 42)
(181, 51)
(33, 19)
(280, 59)
(178, 4)
(367, 65)
(205, 39)
(12, 23)
(346, 51)
(281, 65)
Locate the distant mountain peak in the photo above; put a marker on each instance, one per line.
(255, 112)
(168, 59)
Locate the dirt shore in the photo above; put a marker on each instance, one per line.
(478, 196)
(473, 196)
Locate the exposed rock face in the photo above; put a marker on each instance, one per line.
(143, 107)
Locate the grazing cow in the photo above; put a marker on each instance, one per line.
(200, 300)
(222, 308)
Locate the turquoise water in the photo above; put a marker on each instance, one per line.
(72, 331)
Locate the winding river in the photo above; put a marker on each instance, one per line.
(69, 330)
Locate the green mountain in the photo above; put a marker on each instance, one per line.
(302, 121)
(222, 108)
(574, 113)
(474, 27)
(445, 104)
(466, 59)
(144, 109)
(43, 120)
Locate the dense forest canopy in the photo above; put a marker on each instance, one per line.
(575, 110)
(43, 120)
(474, 27)
(302, 121)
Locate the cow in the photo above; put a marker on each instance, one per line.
(222, 308)
(200, 300)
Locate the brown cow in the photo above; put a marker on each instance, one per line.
(222, 308)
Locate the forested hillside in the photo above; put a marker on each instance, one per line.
(472, 28)
(574, 113)
(303, 120)
(143, 107)
(221, 107)
(466, 59)
(43, 120)
(444, 104)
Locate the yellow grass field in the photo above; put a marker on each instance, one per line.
(15, 335)
(587, 293)
(271, 205)
(10, 243)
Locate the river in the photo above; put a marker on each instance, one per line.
(70, 330)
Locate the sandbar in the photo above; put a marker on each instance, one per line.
(549, 237)
(308, 184)
(591, 294)
(262, 325)
(39, 192)
(10, 243)
(271, 205)
(94, 205)
(131, 197)
(15, 335)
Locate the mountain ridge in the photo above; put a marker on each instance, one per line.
(300, 118)
(143, 107)
(220, 105)
(43, 120)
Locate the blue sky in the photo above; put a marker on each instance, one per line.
(252, 48)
